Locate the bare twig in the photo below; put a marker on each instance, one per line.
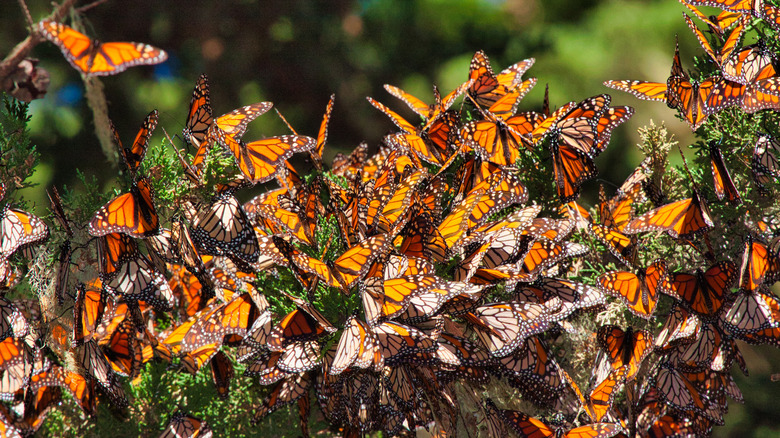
(26, 11)
(85, 8)
(23, 49)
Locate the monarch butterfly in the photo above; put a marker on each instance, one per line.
(615, 213)
(188, 289)
(353, 264)
(534, 372)
(697, 100)
(259, 160)
(759, 265)
(578, 136)
(223, 228)
(625, 349)
(234, 123)
(422, 239)
(530, 427)
(199, 117)
(754, 317)
(417, 140)
(94, 362)
(728, 45)
(503, 327)
(623, 247)
(751, 64)
(184, 247)
(94, 58)
(227, 127)
(123, 351)
(724, 185)
(523, 221)
(637, 291)
(299, 357)
(498, 139)
(231, 318)
(654, 91)
(347, 166)
(398, 291)
(711, 350)
(82, 390)
(395, 212)
(453, 227)
(677, 390)
(703, 292)
(398, 342)
(221, 373)
(183, 425)
(765, 163)
(569, 295)
(19, 229)
(114, 250)
(298, 326)
(602, 397)
(136, 152)
(681, 219)
(497, 248)
(137, 279)
(12, 321)
(681, 327)
(717, 24)
(284, 220)
(264, 369)
(132, 213)
(194, 360)
(757, 8)
(694, 100)
(16, 362)
(357, 347)
(430, 113)
(427, 301)
(283, 393)
(486, 87)
(87, 312)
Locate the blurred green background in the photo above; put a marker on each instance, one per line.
(296, 53)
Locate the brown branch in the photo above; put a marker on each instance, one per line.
(22, 49)
(85, 8)
(26, 11)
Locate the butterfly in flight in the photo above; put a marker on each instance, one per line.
(92, 57)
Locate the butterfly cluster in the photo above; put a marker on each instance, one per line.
(391, 290)
(742, 77)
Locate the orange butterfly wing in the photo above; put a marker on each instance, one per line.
(681, 219)
(260, 160)
(132, 213)
(724, 185)
(101, 59)
(641, 89)
(199, 117)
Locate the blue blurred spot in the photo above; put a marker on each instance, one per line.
(166, 69)
(70, 94)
